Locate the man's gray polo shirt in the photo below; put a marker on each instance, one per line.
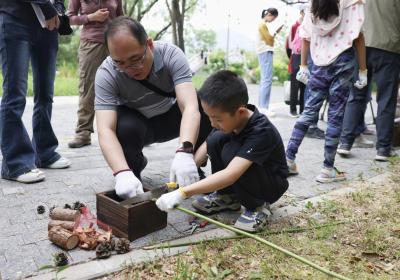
(114, 88)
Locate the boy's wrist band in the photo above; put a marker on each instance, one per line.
(120, 171)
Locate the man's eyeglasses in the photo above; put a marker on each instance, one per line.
(133, 63)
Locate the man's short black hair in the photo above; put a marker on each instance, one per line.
(225, 90)
(272, 11)
(126, 23)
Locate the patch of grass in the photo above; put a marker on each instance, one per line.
(63, 85)
(199, 78)
(362, 197)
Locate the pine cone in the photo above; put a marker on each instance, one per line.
(40, 209)
(113, 241)
(60, 259)
(78, 205)
(103, 250)
(122, 246)
(67, 206)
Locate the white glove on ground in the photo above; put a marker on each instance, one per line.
(303, 75)
(168, 201)
(127, 185)
(183, 169)
(362, 79)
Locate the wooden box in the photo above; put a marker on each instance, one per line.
(129, 221)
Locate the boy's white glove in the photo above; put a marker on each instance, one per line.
(183, 169)
(303, 75)
(362, 79)
(168, 201)
(127, 185)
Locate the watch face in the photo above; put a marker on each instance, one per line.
(187, 144)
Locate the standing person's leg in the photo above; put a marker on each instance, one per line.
(386, 67)
(16, 147)
(266, 70)
(301, 97)
(44, 56)
(319, 86)
(313, 130)
(294, 85)
(343, 72)
(353, 116)
(90, 55)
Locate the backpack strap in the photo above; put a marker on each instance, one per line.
(156, 89)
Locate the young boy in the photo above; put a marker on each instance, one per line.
(246, 152)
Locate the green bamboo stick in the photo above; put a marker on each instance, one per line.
(195, 242)
(266, 242)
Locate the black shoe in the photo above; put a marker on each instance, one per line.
(384, 154)
(315, 133)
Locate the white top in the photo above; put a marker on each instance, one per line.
(328, 39)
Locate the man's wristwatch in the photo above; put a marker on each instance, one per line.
(185, 147)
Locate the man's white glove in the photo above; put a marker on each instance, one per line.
(127, 185)
(168, 201)
(303, 75)
(183, 169)
(362, 79)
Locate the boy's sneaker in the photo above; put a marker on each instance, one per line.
(330, 175)
(215, 202)
(292, 167)
(343, 150)
(254, 221)
(61, 163)
(385, 154)
(362, 142)
(33, 176)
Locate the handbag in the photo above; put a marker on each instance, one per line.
(65, 27)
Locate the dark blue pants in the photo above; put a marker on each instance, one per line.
(333, 82)
(19, 44)
(384, 67)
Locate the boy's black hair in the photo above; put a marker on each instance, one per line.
(271, 11)
(225, 90)
(324, 9)
(129, 24)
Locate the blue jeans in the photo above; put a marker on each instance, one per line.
(266, 66)
(19, 44)
(384, 67)
(333, 82)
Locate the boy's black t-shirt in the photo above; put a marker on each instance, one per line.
(262, 144)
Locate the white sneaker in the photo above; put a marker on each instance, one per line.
(33, 176)
(362, 142)
(61, 163)
(267, 112)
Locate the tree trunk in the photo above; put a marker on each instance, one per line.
(63, 238)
